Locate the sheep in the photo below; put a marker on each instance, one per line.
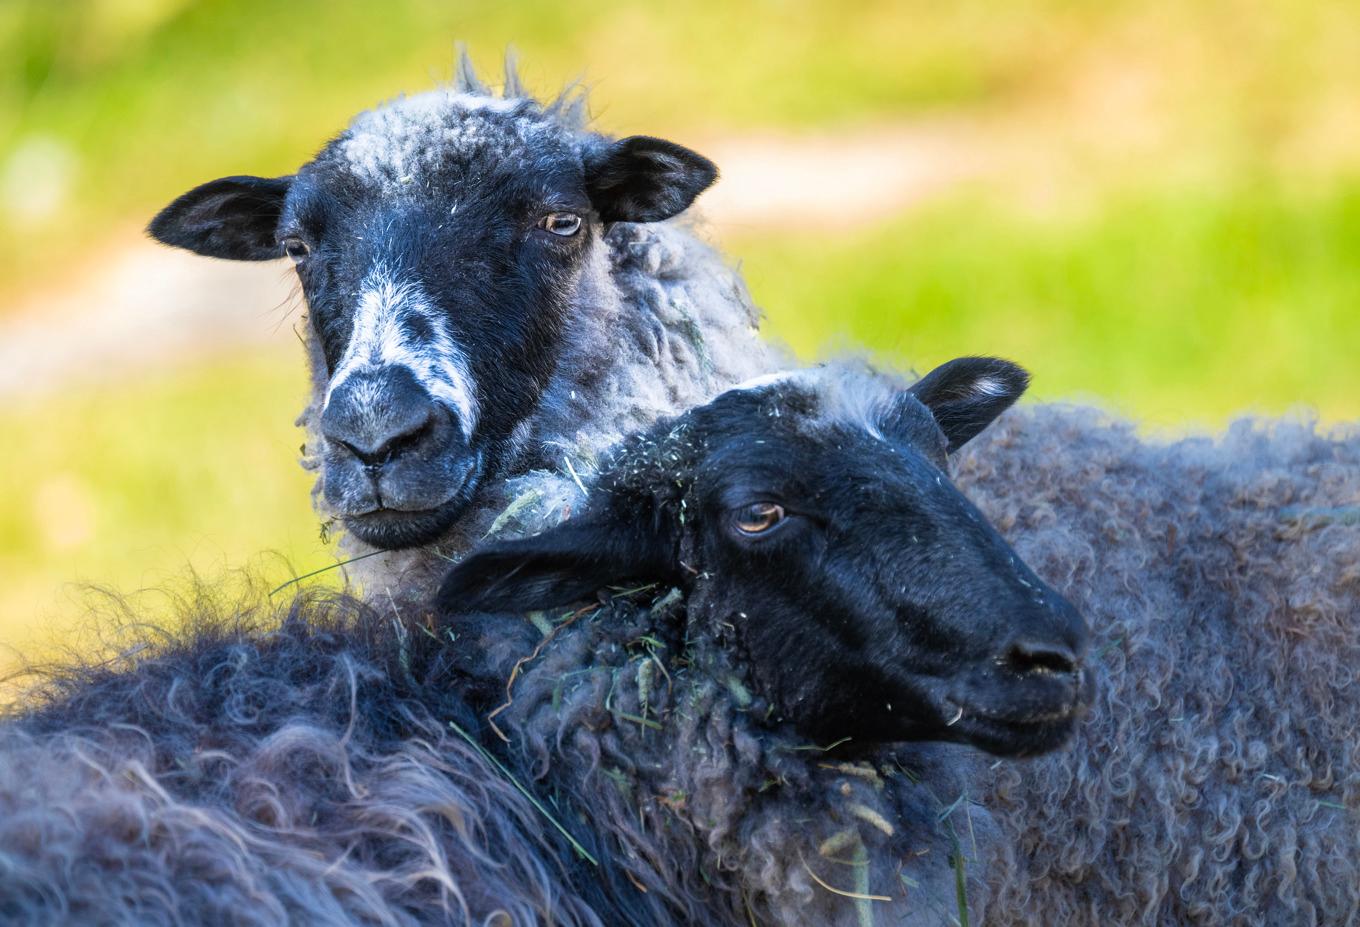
(837, 603)
(325, 772)
(1216, 781)
(491, 292)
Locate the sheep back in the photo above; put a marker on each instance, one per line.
(1217, 780)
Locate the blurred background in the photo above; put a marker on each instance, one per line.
(1153, 205)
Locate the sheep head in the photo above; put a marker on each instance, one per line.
(811, 522)
(443, 243)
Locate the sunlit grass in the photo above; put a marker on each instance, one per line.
(109, 108)
(129, 486)
(1175, 306)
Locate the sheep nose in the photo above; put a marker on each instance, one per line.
(378, 447)
(379, 416)
(1026, 656)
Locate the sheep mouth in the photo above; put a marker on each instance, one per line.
(1024, 724)
(398, 529)
(390, 529)
(1013, 738)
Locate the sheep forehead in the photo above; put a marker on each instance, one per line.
(387, 146)
(770, 379)
(664, 455)
(841, 395)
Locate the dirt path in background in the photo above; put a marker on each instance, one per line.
(138, 305)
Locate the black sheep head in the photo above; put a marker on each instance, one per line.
(812, 524)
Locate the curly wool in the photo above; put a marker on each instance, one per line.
(1217, 780)
(657, 731)
(306, 773)
(252, 772)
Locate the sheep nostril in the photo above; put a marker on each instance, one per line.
(1027, 657)
(407, 440)
(390, 446)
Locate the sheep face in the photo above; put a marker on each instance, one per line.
(813, 527)
(442, 243)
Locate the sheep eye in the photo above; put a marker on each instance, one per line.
(758, 517)
(564, 224)
(296, 249)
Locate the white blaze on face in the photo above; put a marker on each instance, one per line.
(381, 336)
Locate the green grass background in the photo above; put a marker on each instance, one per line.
(1214, 270)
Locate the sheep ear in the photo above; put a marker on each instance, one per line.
(645, 179)
(966, 394)
(234, 217)
(565, 564)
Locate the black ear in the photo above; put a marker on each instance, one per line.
(644, 179)
(234, 217)
(967, 393)
(563, 565)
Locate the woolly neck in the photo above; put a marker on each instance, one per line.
(652, 731)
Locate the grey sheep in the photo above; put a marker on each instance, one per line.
(1218, 778)
(492, 290)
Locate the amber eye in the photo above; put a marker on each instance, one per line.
(758, 517)
(296, 249)
(564, 224)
